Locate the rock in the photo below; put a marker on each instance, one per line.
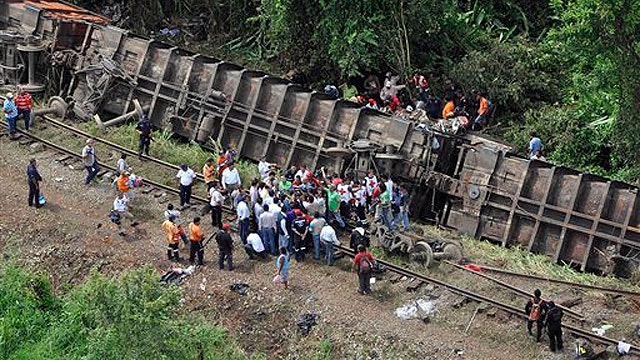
(492, 312)
(36, 147)
(464, 301)
(571, 302)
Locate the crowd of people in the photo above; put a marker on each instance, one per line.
(451, 108)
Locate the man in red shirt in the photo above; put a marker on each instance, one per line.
(24, 103)
(363, 263)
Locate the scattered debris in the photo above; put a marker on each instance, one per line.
(414, 285)
(571, 302)
(240, 288)
(307, 321)
(458, 352)
(623, 348)
(203, 284)
(464, 301)
(471, 320)
(175, 276)
(58, 179)
(602, 329)
(419, 309)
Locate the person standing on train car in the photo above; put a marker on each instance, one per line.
(144, 128)
(535, 144)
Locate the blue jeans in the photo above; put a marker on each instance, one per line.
(244, 230)
(269, 240)
(402, 217)
(316, 246)
(330, 256)
(12, 124)
(336, 215)
(26, 114)
(283, 242)
(92, 171)
(223, 256)
(387, 218)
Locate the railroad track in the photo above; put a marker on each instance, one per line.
(579, 332)
(389, 266)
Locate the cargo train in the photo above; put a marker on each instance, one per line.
(471, 183)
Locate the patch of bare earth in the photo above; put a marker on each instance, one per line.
(71, 235)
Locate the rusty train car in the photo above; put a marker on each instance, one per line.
(470, 183)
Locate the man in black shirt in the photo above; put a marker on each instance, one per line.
(225, 245)
(144, 128)
(554, 327)
(34, 178)
(300, 231)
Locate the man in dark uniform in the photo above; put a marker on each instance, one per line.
(144, 128)
(300, 230)
(536, 309)
(225, 245)
(34, 178)
(554, 327)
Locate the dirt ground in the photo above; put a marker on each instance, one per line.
(71, 236)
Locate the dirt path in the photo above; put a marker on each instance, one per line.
(71, 236)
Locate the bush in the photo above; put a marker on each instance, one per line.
(131, 317)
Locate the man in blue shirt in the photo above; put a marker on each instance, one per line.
(11, 113)
(535, 144)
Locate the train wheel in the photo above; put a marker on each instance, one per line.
(452, 252)
(422, 254)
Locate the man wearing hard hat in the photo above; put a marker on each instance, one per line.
(10, 113)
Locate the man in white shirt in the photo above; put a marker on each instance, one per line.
(122, 164)
(267, 227)
(186, 176)
(389, 183)
(230, 178)
(254, 246)
(216, 200)
(372, 182)
(242, 210)
(329, 239)
(121, 207)
(264, 168)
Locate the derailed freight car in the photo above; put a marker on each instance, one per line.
(471, 184)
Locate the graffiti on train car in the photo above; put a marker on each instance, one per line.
(469, 183)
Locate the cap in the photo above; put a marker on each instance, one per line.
(89, 141)
(297, 212)
(9, 94)
(225, 226)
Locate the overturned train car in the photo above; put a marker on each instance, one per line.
(471, 184)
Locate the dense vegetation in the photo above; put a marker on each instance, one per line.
(132, 317)
(569, 69)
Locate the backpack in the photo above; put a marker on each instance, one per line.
(535, 310)
(365, 265)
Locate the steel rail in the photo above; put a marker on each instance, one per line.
(499, 304)
(564, 282)
(515, 289)
(109, 167)
(114, 145)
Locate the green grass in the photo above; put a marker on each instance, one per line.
(129, 317)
